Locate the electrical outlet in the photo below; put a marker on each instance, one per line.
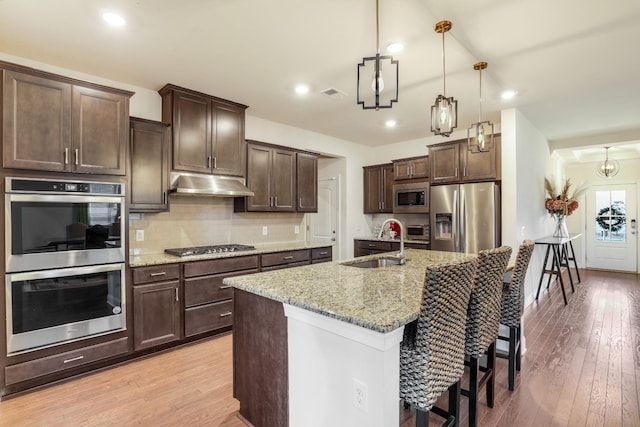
(296, 229)
(265, 230)
(139, 235)
(360, 395)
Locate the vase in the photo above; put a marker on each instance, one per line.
(561, 227)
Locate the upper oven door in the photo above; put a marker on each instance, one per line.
(54, 231)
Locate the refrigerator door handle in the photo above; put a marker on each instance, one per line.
(463, 214)
(454, 222)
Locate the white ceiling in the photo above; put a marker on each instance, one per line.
(574, 62)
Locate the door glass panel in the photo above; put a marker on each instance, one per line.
(611, 218)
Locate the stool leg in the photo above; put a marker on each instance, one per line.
(491, 369)
(474, 367)
(512, 357)
(421, 418)
(519, 353)
(454, 403)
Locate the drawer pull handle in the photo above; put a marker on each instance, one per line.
(162, 273)
(73, 359)
(288, 257)
(372, 245)
(228, 313)
(324, 253)
(225, 286)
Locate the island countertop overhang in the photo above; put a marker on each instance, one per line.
(380, 299)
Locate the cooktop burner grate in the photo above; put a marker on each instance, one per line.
(205, 250)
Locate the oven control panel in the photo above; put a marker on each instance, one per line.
(20, 185)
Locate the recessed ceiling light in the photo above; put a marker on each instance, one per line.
(113, 19)
(395, 47)
(390, 123)
(508, 94)
(302, 89)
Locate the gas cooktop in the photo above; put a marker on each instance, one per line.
(205, 250)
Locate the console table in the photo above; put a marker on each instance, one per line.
(562, 252)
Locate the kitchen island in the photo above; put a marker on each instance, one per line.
(319, 345)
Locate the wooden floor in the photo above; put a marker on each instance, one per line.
(582, 368)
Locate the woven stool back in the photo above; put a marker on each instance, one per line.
(432, 353)
(483, 316)
(513, 299)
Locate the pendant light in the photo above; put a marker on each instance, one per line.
(608, 168)
(444, 114)
(480, 134)
(380, 91)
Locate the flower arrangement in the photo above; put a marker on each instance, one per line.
(561, 203)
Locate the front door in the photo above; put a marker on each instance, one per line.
(612, 227)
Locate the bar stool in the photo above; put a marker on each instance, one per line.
(512, 306)
(483, 323)
(432, 351)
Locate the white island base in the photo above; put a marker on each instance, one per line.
(341, 374)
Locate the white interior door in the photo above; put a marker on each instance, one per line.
(611, 227)
(323, 225)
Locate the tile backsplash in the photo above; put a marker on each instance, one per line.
(198, 221)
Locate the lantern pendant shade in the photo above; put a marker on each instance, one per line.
(444, 116)
(373, 90)
(480, 134)
(444, 113)
(377, 82)
(609, 167)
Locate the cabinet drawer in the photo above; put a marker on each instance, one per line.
(59, 362)
(156, 273)
(208, 317)
(319, 253)
(213, 266)
(206, 289)
(374, 245)
(282, 266)
(285, 257)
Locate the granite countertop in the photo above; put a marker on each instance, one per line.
(164, 258)
(381, 299)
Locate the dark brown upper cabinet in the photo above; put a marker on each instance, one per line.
(307, 182)
(208, 132)
(411, 168)
(378, 188)
(452, 162)
(58, 124)
(149, 165)
(271, 173)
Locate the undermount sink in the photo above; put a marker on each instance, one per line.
(376, 263)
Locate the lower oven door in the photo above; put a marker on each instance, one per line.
(50, 307)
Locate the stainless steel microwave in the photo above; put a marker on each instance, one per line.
(411, 198)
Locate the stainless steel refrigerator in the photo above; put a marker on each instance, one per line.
(465, 217)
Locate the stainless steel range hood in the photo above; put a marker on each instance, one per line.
(192, 184)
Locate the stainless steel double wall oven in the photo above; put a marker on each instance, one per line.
(64, 261)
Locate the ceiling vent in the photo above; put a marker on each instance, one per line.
(334, 94)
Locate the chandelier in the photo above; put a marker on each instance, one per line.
(480, 134)
(444, 114)
(378, 92)
(608, 168)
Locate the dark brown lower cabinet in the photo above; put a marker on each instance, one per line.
(372, 247)
(157, 306)
(260, 360)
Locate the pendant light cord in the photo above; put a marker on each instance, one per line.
(377, 29)
(444, 79)
(480, 102)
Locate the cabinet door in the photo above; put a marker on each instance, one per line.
(307, 182)
(372, 178)
(228, 140)
(100, 131)
(283, 173)
(386, 188)
(258, 178)
(420, 168)
(444, 163)
(191, 133)
(156, 314)
(402, 169)
(36, 122)
(149, 166)
(480, 166)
